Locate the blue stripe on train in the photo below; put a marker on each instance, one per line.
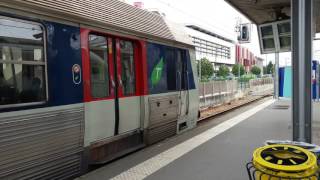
(63, 52)
(162, 69)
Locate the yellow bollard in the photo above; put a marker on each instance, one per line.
(284, 162)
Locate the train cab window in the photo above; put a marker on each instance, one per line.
(181, 70)
(22, 62)
(99, 66)
(127, 68)
(171, 69)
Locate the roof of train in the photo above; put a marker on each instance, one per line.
(113, 14)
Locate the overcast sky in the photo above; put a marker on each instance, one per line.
(215, 15)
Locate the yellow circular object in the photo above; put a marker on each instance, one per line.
(285, 161)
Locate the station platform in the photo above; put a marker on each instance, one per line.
(218, 149)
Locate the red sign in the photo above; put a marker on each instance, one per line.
(76, 68)
(138, 5)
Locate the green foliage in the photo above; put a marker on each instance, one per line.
(246, 78)
(206, 69)
(235, 70)
(270, 68)
(255, 70)
(223, 71)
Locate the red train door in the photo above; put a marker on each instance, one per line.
(99, 87)
(111, 86)
(127, 89)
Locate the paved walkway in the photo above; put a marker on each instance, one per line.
(216, 150)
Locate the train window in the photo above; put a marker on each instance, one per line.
(156, 69)
(127, 68)
(99, 66)
(172, 71)
(169, 69)
(181, 70)
(22, 63)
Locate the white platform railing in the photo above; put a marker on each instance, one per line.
(215, 93)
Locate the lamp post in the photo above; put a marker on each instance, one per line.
(276, 76)
(266, 63)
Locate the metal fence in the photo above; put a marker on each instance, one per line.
(217, 92)
(261, 82)
(214, 93)
(260, 87)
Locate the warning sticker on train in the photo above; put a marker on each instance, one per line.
(76, 74)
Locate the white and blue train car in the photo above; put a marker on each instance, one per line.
(84, 82)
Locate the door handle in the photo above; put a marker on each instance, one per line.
(120, 81)
(113, 84)
(180, 80)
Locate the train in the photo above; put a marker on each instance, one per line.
(86, 82)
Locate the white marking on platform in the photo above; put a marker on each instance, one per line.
(150, 166)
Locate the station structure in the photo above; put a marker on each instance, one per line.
(304, 17)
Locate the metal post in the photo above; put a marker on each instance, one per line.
(317, 82)
(276, 76)
(232, 91)
(302, 33)
(204, 93)
(265, 65)
(200, 70)
(228, 90)
(239, 72)
(212, 97)
(220, 91)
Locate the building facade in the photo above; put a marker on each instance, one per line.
(245, 57)
(217, 49)
(259, 63)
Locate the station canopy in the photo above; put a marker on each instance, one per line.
(265, 11)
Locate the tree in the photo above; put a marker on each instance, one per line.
(223, 71)
(270, 68)
(256, 70)
(235, 70)
(206, 69)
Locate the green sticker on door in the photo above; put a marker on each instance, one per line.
(157, 72)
